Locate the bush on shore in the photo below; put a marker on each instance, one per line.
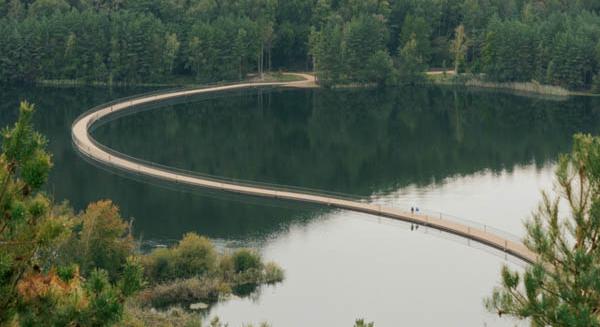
(193, 256)
(101, 239)
(193, 271)
(136, 316)
(184, 291)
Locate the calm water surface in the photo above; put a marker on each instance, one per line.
(478, 155)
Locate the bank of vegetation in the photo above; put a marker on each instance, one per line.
(61, 268)
(193, 271)
(481, 81)
(346, 42)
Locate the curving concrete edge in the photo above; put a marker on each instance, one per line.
(85, 144)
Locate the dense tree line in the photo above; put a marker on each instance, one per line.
(134, 41)
(344, 41)
(552, 42)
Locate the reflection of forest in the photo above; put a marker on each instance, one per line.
(355, 142)
(351, 141)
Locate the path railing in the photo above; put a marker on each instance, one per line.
(467, 222)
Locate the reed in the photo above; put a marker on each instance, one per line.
(529, 87)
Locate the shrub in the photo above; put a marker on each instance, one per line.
(273, 273)
(245, 267)
(103, 240)
(226, 266)
(193, 271)
(185, 291)
(380, 69)
(136, 316)
(105, 300)
(132, 279)
(47, 300)
(157, 265)
(66, 273)
(193, 256)
(363, 323)
(245, 259)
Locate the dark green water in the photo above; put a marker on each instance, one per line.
(476, 154)
(357, 142)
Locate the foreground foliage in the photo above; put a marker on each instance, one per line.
(563, 287)
(100, 239)
(35, 289)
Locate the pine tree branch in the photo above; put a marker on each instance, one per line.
(9, 169)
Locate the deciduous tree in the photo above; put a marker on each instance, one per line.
(458, 47)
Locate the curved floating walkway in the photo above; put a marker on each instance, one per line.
(90, 148)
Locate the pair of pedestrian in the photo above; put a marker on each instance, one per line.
(413, 210)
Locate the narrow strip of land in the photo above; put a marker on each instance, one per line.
(88, 147)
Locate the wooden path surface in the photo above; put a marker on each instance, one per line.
(88, 147)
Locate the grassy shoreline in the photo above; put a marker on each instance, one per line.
(434, 78)
(175, 82)
(532, 87)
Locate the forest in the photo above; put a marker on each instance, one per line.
(384, 42)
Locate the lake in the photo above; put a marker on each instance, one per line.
(477, 155)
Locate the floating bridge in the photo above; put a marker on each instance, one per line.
(92, 149)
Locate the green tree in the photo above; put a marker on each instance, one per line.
(137, 47)
(418, 27)
(245, 259)
(458, 47)
(350, 9)
(363, 36)
(573, 53)
(508, 53)
(411, 64)
(170, 52)
(325, 48)
(562, 287)
(41, 8)
(380, 69)
(292, 27)
(47, 300)
(193, 256)
(16, 9)
(321, 13)
(241, 50)
(102, 240)
(27, 226)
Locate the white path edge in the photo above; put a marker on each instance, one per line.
(83, 143)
